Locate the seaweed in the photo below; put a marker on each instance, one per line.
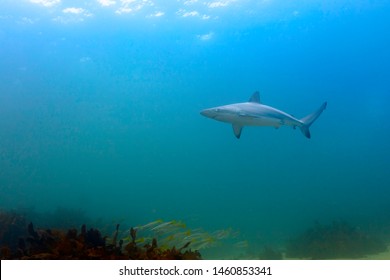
(21, 239)
(151, 251)
(86, 244)
(13, 226)
(338, 240)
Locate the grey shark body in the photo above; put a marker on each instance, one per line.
(253, 113)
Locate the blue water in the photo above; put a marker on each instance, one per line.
(99, 111)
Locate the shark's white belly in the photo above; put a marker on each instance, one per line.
(256, 121)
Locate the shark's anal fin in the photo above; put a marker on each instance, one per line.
(255, 98)
(237, 130)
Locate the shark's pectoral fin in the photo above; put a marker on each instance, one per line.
(237, 130)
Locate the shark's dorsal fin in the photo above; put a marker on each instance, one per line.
(255, 98)
(237, 130)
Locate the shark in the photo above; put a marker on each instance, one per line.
(254, 113)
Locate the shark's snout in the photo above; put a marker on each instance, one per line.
(209, 113)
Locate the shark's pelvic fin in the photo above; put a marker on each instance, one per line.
(255, 98)
(237, 130)
(309, 120)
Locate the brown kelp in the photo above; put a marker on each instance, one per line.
(151, 250)
(13, 226)
(19, 240)
(338, 240)
(158, 239)
(89, 244)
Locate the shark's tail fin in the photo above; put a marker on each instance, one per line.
(309, 119)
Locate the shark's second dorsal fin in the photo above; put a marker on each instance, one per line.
(255, 98)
